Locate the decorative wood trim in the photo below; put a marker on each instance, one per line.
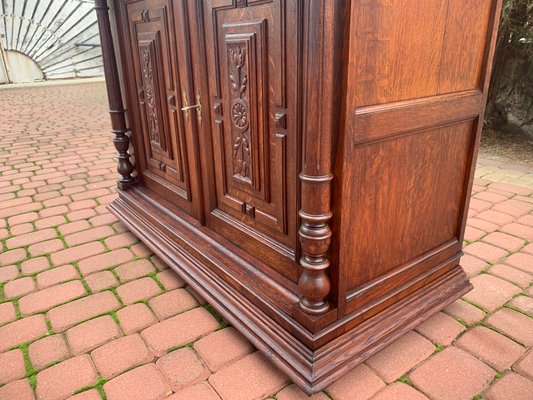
(320, 66)
(311, 368)
(114, 95)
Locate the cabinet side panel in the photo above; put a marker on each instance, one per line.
(416, 89)
(417, 48)
(405, 197)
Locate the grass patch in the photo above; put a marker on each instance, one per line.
(461, 321)
(49, 326)
(153, 275)
(115, 317)
(477, 306)
(114, 291)
(405, 379)
(218, 317)
(99, 383)
(33, 381)
(190, 344)
(438, 348)
(101, 392)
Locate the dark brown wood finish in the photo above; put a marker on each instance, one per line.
(304, 165)
(159, 79)
(114, 94)
(251, 53)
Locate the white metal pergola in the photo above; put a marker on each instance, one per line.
(48, 39)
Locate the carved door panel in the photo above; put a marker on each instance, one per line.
(252, 70)
(161, 64)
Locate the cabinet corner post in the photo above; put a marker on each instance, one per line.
(320, 65)
(116, 109)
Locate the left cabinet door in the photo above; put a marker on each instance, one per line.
(158, 73)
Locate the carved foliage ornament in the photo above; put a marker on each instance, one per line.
(239, 112)
(151, 111)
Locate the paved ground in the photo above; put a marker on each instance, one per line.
(85, 308)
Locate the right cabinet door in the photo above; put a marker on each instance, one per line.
(251, 53)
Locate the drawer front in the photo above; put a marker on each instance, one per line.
(252, 71)
(160, 85)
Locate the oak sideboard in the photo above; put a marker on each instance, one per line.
(304, 165)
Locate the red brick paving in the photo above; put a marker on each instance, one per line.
(48, 350)
(182, 368)
(12, 366)
(511, 386)
(74, 281)
(17, 390)
(91, 334)
(441, 329)
(489, 346)
(452, 374)
(252, 377)
(142, 383)
(222, 348)
(362, 382)
(120, 355)
(65, 378)
(401, 356)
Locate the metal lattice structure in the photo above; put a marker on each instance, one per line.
(60, 36)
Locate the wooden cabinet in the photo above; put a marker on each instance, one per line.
(306, 166)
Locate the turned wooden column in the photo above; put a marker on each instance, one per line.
(320, 66)
(116, 108)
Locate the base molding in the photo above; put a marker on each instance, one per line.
(312, 370)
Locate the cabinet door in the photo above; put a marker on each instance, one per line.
(252, 70)
(164, 135)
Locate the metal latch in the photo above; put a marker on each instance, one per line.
(186, 106)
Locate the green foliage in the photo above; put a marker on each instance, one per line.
(516, 26)
(512, 74)
(405, 379)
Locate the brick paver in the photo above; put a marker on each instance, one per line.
(491, 292)
(91, 334)
(69, 314)
(64, 379)
(74, 280)
(252, 377)
(360, 383)
(182, 368)
(199, 391)
(48, 350)
(441, 329)
(17, 390)
(51, 297)
(142, 383)
(452, 374)
(495, 349)
(11, 366)
(399, 391)
(120, 355)
(401, 356)
(7, 312)
(511, 386)
(223, 347)
(171, 303)
(179, 330)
